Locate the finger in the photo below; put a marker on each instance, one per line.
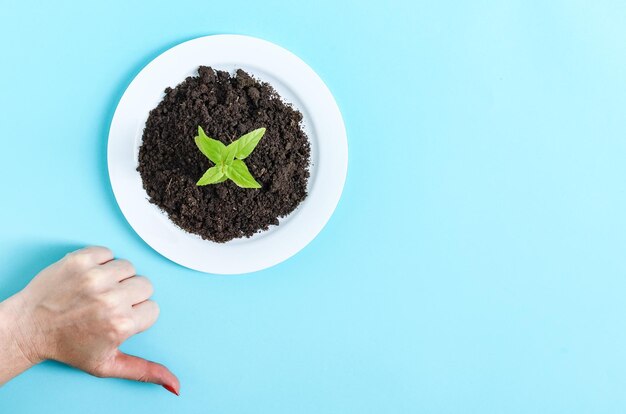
(119, 269)
(135, 289)
(138, 369)
(92, 255)
(145, 315)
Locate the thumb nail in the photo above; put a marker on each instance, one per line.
(170, 389)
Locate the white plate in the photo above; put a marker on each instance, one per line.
(298, 84)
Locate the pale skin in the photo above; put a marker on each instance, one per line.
(79, 311)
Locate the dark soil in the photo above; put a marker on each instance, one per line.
(226, 107)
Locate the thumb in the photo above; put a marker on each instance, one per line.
(138, 369)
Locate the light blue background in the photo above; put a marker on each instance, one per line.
(475, 263)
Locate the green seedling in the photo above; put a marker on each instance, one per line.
(228, 159)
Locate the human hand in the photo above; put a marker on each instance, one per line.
(80, 310)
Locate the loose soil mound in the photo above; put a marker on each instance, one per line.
(226, 107)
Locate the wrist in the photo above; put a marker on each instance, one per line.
(22, 330)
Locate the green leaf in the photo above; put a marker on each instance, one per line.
(238, 172)
(228, 155)
(248, 142)
(211, 148)
(213, 175)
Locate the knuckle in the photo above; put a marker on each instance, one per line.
(100, 250)
(146, 372)
(87, 256)
(156, 309)
(108, 302)
(127, 266)
(92, 279)
(78, 259)
(112, 335)
(122, 326)
(104, 250)
(146, 284)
